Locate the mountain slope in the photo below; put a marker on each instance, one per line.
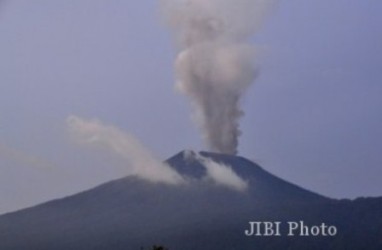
(130, 213)
(262, 183)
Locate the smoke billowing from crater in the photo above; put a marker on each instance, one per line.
(215, 65)
(140, 161)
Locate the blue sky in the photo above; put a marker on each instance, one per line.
(313, 116)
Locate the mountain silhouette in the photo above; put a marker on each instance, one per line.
(131, 213)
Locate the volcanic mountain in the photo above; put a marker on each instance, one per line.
(131, 213)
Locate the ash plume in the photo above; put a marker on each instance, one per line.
(215, 65)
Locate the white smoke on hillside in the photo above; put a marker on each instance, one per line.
(141, 162)
(222, 174)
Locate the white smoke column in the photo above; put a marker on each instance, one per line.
(141, 161)
(215, 65)
(222, 174)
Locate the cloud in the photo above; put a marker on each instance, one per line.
(142, 163)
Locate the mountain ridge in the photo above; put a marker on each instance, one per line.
(129, 213)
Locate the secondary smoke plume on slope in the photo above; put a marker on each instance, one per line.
(217, 172)
(141, 161)
(222, 174)
(215, 65)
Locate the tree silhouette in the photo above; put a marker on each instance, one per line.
(155, 247)
(159, 248)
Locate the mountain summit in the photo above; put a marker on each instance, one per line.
(208, 212)
(261, 184)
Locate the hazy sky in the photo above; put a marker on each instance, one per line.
(313, 116)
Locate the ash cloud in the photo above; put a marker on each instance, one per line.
(142, 163)
(215, 64)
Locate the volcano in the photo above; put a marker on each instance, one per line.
(131, 213)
